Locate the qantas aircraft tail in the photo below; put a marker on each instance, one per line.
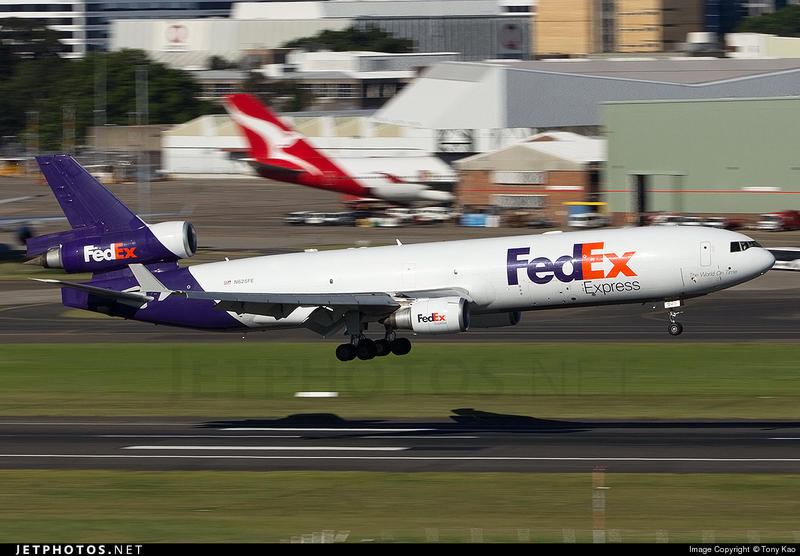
(274, 147)
(280, 153)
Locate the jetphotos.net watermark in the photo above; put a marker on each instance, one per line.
(43, 549)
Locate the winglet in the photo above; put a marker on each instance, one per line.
(148, 282)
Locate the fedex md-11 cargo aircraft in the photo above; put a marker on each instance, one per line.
(428, 288)
(280, 153)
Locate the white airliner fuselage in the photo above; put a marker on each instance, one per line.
(430, 288)
(515, 273)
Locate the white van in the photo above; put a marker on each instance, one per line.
(587, 220)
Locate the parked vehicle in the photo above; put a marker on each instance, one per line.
(667, 219)
(691, 221)
(587, 220)
(295, 218)
(723, 222)
(433, 215)
(778, 221)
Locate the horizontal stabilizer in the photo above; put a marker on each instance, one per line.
(136, 297)
(148, 282)
(276, 166)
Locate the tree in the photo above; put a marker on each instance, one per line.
(219, 63)
(58, 89)
(785, 23)
(283, 94)
(351, 38)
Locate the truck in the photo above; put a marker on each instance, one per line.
(778, 221)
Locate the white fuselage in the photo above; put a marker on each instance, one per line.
(509, 273)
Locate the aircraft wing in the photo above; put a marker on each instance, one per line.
(440, 292)
(280, 305)
(786, 258)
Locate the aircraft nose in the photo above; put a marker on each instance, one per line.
(762, 259)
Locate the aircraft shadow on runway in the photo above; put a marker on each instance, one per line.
(468, 419)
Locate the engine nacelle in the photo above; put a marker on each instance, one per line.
(495, 320)
(443, 315)
(164, 242)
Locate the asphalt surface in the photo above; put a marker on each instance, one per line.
(471, 441)
(239, 217)
(766, 309)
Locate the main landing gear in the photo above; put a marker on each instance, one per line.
(362, 347)
(675, 328)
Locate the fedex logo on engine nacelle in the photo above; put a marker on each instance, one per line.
(433, 317)
(585, 263)
(115, 252)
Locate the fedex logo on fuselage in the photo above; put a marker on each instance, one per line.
(585, 263)
(115, 252)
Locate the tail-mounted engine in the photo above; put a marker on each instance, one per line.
(441, 315)
(84, 250)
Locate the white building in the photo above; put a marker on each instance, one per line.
(759, 45)
(476, 29)
(214, 145)
(87, 23)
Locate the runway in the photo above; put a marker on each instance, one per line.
(765, 309)
(471, 441)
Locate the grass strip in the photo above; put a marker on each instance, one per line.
(120, 506)
(598, 381)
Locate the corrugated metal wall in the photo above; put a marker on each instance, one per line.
(714, 156)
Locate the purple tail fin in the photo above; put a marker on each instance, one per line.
(84, 200)
(91, 209)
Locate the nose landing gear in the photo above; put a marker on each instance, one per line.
(675, 328)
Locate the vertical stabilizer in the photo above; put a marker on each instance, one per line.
(272, 143)
(85, 201)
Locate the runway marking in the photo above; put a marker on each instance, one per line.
(403, 458)
(277, 448)
(192, 436)
(409, 437)
(329, 429)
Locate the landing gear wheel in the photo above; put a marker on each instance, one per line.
(366, 349)
(345, 352)
(675, 328)
(382, 348)
(401, 346)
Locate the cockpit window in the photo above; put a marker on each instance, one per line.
(743, 245)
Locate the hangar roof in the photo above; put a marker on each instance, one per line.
(544, 151)
(506, 94)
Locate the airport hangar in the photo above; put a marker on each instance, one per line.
(459, 109)
(482, 103)
(721, 156)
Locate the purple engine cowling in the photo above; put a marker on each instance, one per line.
(89, 251)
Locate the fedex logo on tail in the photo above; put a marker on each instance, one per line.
(115, 252)
(585, 263)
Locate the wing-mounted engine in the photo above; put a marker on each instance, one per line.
(88, 250)
(495, 320)
(441, 315)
